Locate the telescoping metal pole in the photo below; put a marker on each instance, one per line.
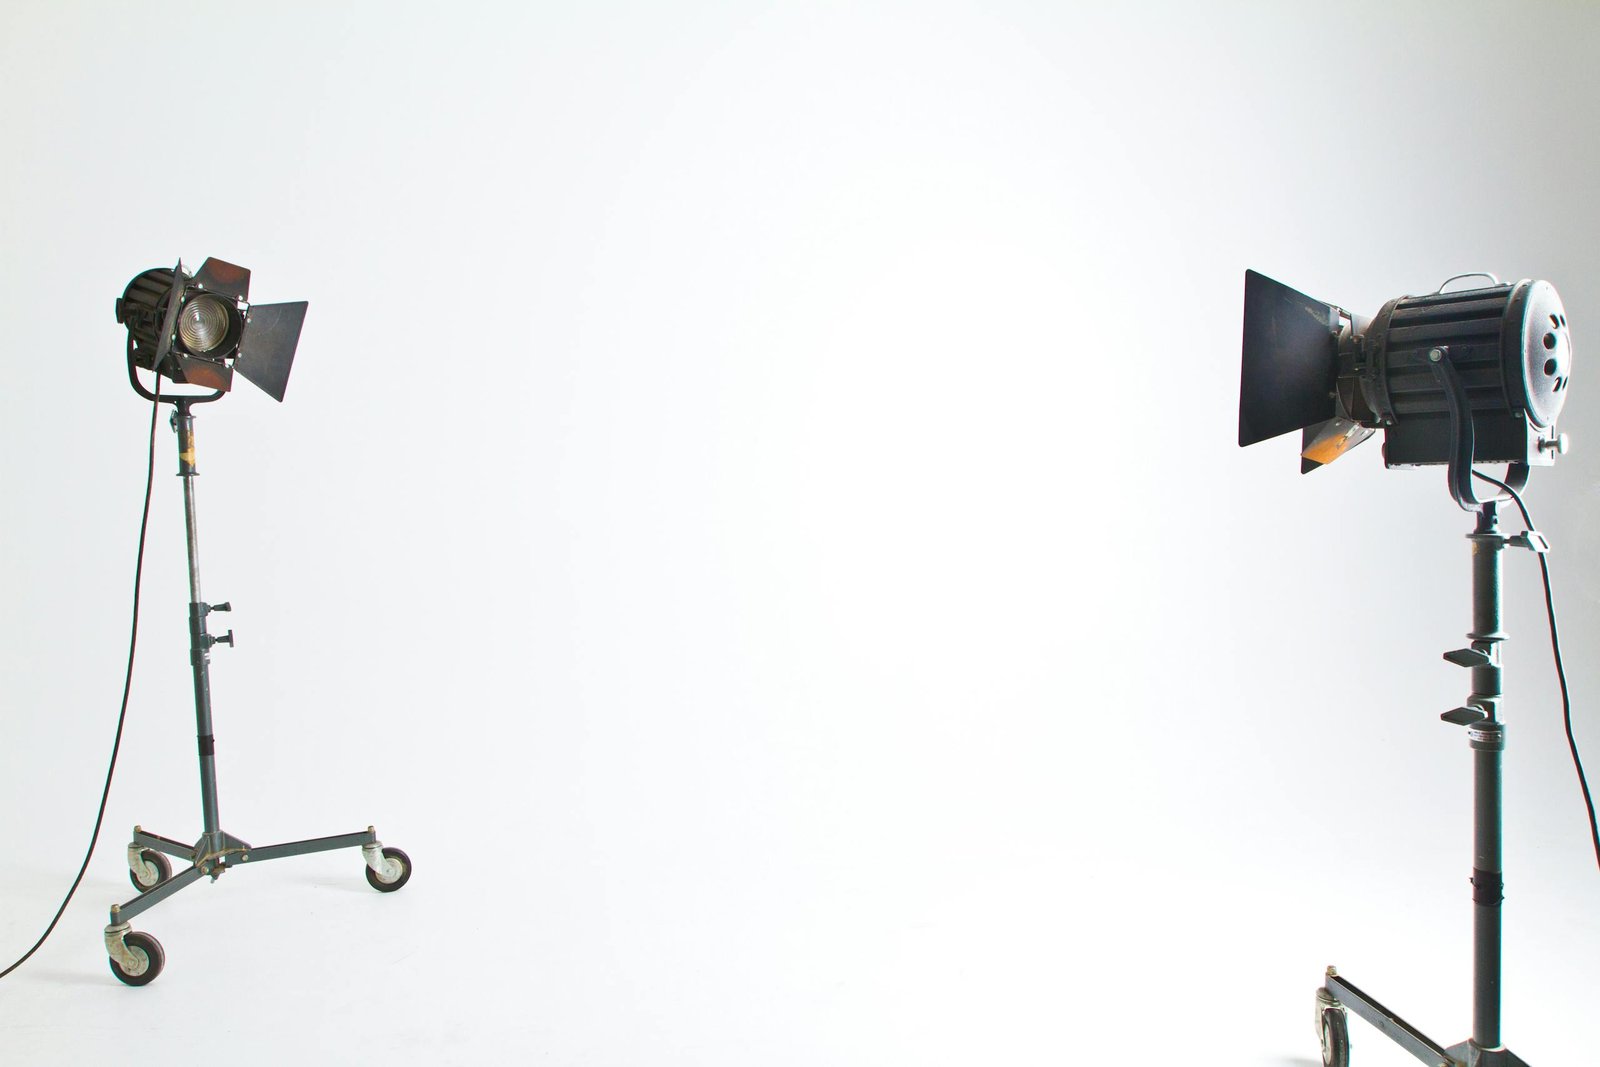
(200, 641)
(1487, 739)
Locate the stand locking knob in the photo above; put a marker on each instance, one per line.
(1530, 539)
(1468, 657)
(225, 639)
(224, 606)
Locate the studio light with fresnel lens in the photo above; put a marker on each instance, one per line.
(199, 329)
(1458, 378)
(1461, 377)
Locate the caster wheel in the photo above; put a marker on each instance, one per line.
(377, 882)
(159, 862)
(1335, 1038)
(149, 958)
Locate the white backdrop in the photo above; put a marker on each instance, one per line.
(756, 516)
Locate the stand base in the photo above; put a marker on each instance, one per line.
(136, 958)
(1339, 994)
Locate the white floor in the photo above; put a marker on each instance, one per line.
(511, 951)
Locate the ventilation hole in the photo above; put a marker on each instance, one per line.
(1555, 320)
(1550, 340)
(1560, 384)
(1550, 367)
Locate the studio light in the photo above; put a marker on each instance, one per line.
(199, 329)
(1461, 377)
(1456, 378)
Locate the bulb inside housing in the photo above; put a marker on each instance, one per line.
(203, 324)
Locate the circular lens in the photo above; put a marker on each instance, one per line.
(203, 324)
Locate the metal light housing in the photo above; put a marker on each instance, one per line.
(199, 329)
(1467, 376)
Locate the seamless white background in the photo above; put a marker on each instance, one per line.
(756, 516)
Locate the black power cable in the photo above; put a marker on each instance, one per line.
(127, 686)
(1561, 671)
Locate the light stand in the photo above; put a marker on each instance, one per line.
(1487, 737)
(137, 958)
